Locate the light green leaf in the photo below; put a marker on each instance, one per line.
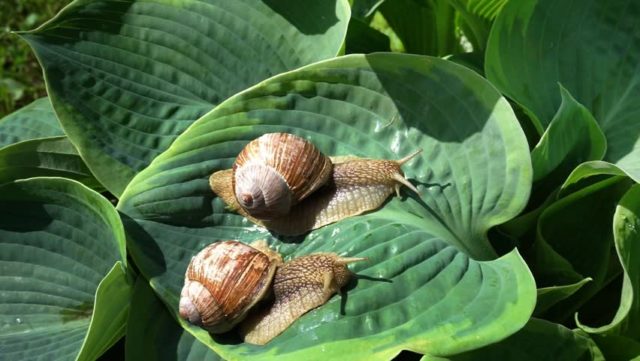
(36, 120)
(573, 137)
(589, 173)
(153, 334)
(422, 287)
(590, 47)
(626, 233)
(54, 156)
(64, 293)
(126, 77)
(539, 340)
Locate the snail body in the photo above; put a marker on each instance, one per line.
(226, 280)
(354, 186)
(299, 286)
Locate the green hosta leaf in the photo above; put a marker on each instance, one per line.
(572, 138)
(626, 233)
(424, 26)
(539, 340)
(577, 228)
(590, 47)
(549, 296)
(420, 289)
(109, 317)
(36, 120)
(363, 9)
(476, 19)
(618, 348)
(363, 39)
(589, 173)
(488, 9)
(62, 255)
(54, 156)
(126, 77)
(153, 334)
(472, 61)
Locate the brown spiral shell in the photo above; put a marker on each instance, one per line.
(276, 171)
(223, 281)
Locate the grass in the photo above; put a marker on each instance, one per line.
(21, 79)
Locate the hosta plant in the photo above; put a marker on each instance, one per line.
(522, 243)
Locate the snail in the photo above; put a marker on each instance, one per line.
(285, 184)
(223, 281)
(226, 280)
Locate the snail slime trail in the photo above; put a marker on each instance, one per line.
(226, 279)
(293, 188)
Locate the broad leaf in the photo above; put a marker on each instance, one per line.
(590, 47)
(424, 26)
(476, 19)
(539, 340)
(36, 120)
(577, 229)
(626, 232)
(421, 287)
(62, 257)
(54, 156)
(589, 173)
(487, 9)
(572, 137)
(126, 77)
(549, 296)
(363, 39)
(618, 348)
(153, 334)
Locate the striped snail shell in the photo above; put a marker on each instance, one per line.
(276, 171)
(224, 281)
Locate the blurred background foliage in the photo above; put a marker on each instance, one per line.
(21, 78)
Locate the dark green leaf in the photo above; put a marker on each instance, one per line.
(126, 77)
(36, 120)
(618, 348)
(577, 229)
(424, 26)
(363, 39)
(153, 334)
(549, 296)
(626, 232)
(54, 156)
(591, 47)
(64, 294)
